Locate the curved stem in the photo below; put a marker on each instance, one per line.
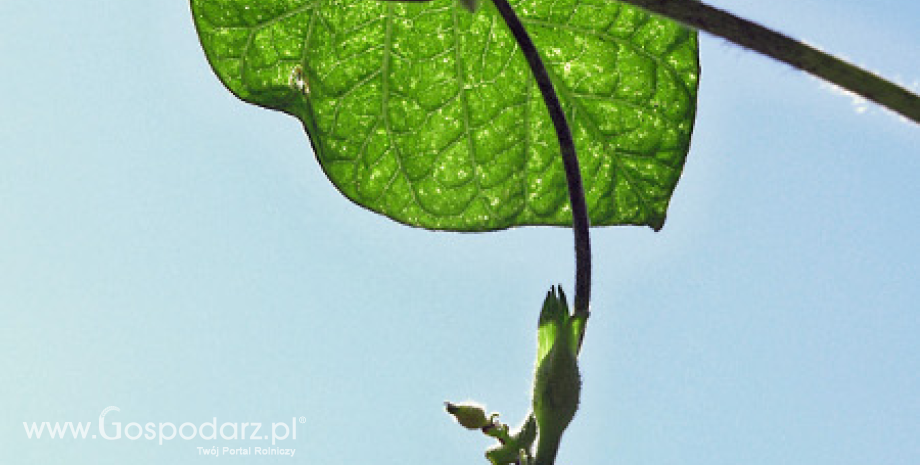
(547, 448)
(780, 47)
(580, 221)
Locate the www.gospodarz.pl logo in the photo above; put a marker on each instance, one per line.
(167, 431)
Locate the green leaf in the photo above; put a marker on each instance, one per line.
(429, 114)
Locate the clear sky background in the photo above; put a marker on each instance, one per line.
(174, 252)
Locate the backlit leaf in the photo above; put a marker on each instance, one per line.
(429, 114)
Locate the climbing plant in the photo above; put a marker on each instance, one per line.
(479, 117)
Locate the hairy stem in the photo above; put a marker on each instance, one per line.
(546, 452)
(780, 47)
(580, 221)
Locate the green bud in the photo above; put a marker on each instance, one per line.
(470, 416)
(557, 382)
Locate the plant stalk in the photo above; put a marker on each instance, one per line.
(580, 220)
(546, 452)
(581, 224)
(787, 50)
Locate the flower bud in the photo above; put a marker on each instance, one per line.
(470, 416)
(557, 382)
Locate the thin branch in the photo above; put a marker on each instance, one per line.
(580, 220)
(783, 48)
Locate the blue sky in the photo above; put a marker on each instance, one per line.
(169, 250)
